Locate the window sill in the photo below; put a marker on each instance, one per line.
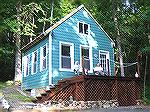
(33, 73)
(42, 70)
(85, 35)
(68, 70)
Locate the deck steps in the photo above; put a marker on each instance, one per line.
(59, 91)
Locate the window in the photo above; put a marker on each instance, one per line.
(85, 55)
(43, 63)
(27, 65)
(83, 28)
(104, 60)
(34, 64)
(66, 55)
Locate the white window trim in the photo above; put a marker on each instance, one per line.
(90, 56)
(41, 57)
(33, 62)
(72, 56)
(29, 64)
(24, 65)
(107, 57)
(83, 28)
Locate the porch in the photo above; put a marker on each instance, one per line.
(126, 90)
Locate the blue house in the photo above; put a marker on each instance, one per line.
(52, 55)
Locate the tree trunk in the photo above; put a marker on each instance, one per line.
(18, 75)
(52, 11)
(145, 77)
(148, 32)
(120, 55)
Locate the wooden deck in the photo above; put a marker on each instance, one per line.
(95, 88)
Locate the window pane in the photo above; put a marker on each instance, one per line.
(85, 28)
(44, 63)
(44, 51)
(85, 53)
(65, 50)
(35, 56)
(34, 67)
(28, 65)
(27, 69)
(87, 64)
(80, 27)
(66, 62)
(103, 60)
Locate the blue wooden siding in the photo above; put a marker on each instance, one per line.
(68, 32)
(40, 79)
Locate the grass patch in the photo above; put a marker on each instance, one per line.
(2, 85)
(20, 97)
(15, 94)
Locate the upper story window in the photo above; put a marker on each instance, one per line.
(66, 56)
(83, 28)
(34, 61)
(43, 63)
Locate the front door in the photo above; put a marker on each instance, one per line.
(85, 57)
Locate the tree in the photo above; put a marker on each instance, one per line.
(22, 24)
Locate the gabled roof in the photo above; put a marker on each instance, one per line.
(43, 35)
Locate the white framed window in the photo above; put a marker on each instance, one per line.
(86, 54)
(27, 64)
(43, 57)
(34, 61)
(104, 60)
(66, 56)
(83, 28)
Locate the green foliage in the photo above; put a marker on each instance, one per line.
(12, 25)
(25, 24)
(147, 95)
(6, 62)
(66, 7)
(146, 50)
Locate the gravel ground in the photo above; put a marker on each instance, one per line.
(121, 109)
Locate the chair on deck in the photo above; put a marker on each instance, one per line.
(98, 70)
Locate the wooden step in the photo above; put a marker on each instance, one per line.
(43, 94)
(48, 91)
(34, 100)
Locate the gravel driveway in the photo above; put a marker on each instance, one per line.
(121, 109)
